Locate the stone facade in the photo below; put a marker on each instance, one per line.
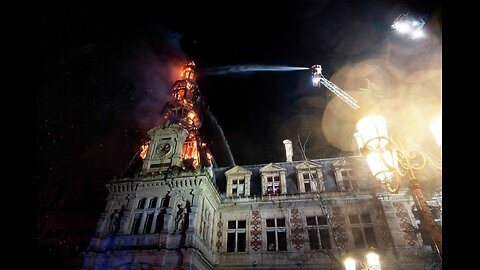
(191, 219)
(180, 211)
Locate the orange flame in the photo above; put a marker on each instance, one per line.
(187, 71)
(144, 150)
(190, 150)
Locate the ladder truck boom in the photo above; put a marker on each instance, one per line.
(317, 78)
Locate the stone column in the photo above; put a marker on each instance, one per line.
(320, 181)
(301, 182)
(193, 215)
(192, 219)
(283, 183)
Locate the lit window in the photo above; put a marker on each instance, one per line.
(348, 180)
(238, 182)
(273, 180)
(309, 180)
(318, 233)
(274, 185)
(236, 236)
(238, 187)
(276, 234)
(362, 231)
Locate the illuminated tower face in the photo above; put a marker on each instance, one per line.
(185, 148)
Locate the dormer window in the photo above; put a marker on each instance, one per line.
(349, 183)
(346, 179)
(273, 180)
(238, 182)
(310, 177)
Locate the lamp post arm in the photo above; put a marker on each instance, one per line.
(432, 159)
(407, 160)
(392, 190)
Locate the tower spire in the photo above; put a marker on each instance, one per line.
(183, 111)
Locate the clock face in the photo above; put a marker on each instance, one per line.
(163, 149)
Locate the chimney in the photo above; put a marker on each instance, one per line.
(288, 150)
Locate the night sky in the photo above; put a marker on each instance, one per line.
(104, 71)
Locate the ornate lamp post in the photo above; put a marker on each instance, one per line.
(390, 162)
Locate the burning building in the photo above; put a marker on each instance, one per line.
(182, 211)
(176, 145)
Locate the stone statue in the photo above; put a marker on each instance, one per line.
(179, 218)
(114, 221)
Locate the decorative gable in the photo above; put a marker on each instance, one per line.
(237, 170)
(310, 177)
(307, 165)
(340, 162)
(238, 181)
(344, 175)
(272, 168)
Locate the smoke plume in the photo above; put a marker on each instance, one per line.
(153, 67)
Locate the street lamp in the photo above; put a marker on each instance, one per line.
(350, 264)
(390, 162)
(373, 262)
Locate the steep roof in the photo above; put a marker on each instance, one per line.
(290, 174)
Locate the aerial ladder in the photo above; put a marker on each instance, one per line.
(317, 78)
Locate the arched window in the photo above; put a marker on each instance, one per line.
(153, 203)
(141, 203)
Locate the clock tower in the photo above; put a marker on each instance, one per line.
(175, 145)
(163, 214)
